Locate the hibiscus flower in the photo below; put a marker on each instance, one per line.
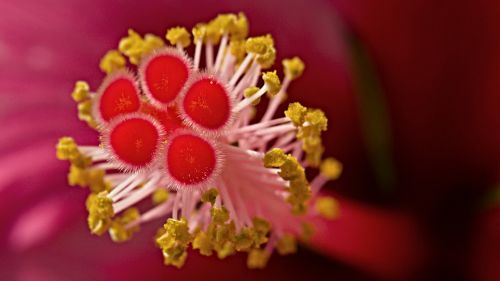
(46, 46)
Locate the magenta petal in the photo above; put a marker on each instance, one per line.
(43, 221)
(387, 243)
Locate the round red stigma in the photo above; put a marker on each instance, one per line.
(168, 118)
(134, 140)
(190, 159)
(206, 104)
(118, 95)
(163, 76)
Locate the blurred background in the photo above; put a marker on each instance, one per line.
(412, 92)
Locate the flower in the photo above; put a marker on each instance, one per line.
(182, 133)
(70, 37)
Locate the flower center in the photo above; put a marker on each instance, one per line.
(207, 104)
(119, 96)
(190, 159)
(168, 118)
(135, 141)
(164, 75)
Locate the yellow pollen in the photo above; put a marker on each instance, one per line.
(160, 196)
(272, 81)
(209, 196)
(173, 241)
(81, 91)
(118, 231)
(259, 45)
(250, 92)
(199, 32)
(85, 113)
(257, 258)
(100, 209)
(331, 168)
(135, 47)
(296, 113)
(179, 35)
(327, 207)
(112, 61)
(203, 243)
(237, 49)
(293, 67)
(219, 215)
(239, 28)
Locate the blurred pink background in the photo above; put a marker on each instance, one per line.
(412, 92)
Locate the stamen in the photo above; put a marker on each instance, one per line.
(272, 86)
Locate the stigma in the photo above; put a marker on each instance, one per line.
(180, 144)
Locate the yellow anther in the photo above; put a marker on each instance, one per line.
(257, 258)
(291, 169)
(267, 59)
(179, 35)
(296, 112)
(224, 22)
(250, 92)
(219, 215)
(327, 207)
(100, 209)
(293, 67)
(259, 45)
(209, 196)
(77, 176)
(331, 168)
(85, 113)
(118, 231)
(67, 149)
(199, 31)
(203, 243)
(272, 82)
(239, 29)
(160, 196)
(300, 192)
(175, 230)
(274, 158)
(85, 110)
(219, 26)
(261, 228)
(225, 250)
(317, 118)
(300, 187)
(173, 241)
(220, 233)
(314, 154)
(96, 181)
(151, 43)
(132, 46)
(81, 91)
(237, 49)
(175, 256)
(112, 61)
(287, 244)
(244, 240)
